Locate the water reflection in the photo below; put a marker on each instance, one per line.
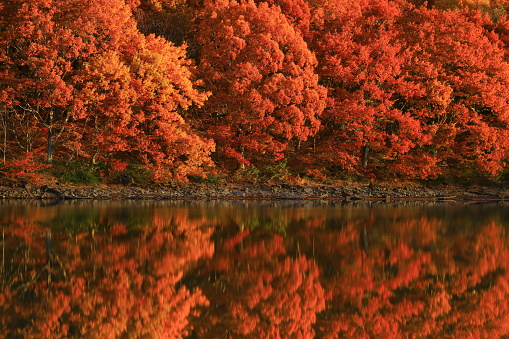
(223, 269)
(257, 290)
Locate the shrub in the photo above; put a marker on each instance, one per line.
(268, 173)
(24, 169)
(76, 171)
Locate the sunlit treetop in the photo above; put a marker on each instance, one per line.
(261, 74)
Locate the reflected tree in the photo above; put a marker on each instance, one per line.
(257, 290)
(109, 283)
(417, 278)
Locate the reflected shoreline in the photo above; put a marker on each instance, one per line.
(286, 203)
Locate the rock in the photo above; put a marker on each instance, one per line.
(309, 190)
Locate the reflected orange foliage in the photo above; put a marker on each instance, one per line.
(103, 284)
(415, 282)
(258, 291)
(375, 272)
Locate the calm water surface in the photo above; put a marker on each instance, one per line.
(233, 269)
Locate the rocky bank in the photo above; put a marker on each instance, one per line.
(342, 191)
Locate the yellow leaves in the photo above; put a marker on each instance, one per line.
(132, 92)
(107, 77)
(108, 65)
(458, 4)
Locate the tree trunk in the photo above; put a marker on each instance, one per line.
(365, 156)
(4, 150)
(51, 146)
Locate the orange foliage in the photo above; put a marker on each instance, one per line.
(388, 88)
(25, 168)
(411, 91)
(464, 73)
(261, 75)
(96, 87)
(362, 62)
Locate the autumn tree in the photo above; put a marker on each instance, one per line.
(462, 68)
(82, 74)
(297, 12)
(134, 110)
(362, 62)
(413, 92)
(34, 65)
(265, 92)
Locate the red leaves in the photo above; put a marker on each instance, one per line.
(85, 73)
(261, 75)
(412, 84)
(394, 90)
(26, 168)
(135, 108)
(362, 62)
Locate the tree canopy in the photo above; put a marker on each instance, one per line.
(175, 89)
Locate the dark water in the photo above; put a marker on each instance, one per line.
(254, 270)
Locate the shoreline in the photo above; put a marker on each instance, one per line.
(194, 191)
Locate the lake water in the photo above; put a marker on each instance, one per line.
(246, 269)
